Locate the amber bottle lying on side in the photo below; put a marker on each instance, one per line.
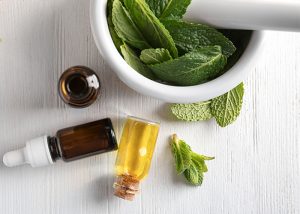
(69, 144)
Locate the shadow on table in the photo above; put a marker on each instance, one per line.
(103, 189)
(164, 112)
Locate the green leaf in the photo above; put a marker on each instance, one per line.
(189, 36)
(193, 174)
(174, 9)
(193, 68)
(182, 154)
(226, 108)
(192, 112)
(132, 59)
(155, 56)
(200, 159)
(153, 30)
(126, 28)
(117, 41)
(191, 164)
(202, 165)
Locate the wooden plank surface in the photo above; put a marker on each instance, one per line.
(256, 169)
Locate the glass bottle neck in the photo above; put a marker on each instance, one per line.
(54, 148)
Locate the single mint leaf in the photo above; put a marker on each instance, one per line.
(226, 108)
(135, 62)
(117, 41)
(200, 159)
(193, 174)
(182, 154)
(153, 30)
(155, 56)
(192, 112)
(126, 28)
(189, 36)
(193, 68)
(174, 9)
(202, 165)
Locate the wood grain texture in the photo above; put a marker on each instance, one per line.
(256, 169)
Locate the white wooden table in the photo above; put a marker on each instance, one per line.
(256, 169)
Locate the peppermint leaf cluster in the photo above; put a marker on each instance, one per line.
(187, 162)
(175, 51)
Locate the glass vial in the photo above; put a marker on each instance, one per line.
(134, 155)
(79, 86)
(69, 144)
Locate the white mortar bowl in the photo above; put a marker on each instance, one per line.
(173, 94)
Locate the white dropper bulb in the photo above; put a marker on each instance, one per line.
(14, 158)
(36, 153)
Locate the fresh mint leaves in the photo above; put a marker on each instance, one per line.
(154, 29)
(126, 28)
(168, 9)
(134, 61)
(193, 68)
(189, 36)
(225, 108)
(187, 162)
(155, 56)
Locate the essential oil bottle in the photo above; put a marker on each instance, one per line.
(69, 144)
(134, 155)
(79, 86)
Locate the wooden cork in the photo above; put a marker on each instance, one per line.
(126, 187)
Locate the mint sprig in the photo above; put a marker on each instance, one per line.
(187, 162)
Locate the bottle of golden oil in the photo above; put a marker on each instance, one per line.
(134, 155)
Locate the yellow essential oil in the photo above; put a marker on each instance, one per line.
(134, 155)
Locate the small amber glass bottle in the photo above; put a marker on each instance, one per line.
(134, 155)
(69, 144)
(79, 86)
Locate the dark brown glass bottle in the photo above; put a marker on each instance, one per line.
(69, 144)
(84, 140)
(79, 86)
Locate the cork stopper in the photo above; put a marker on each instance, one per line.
(126, 186)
